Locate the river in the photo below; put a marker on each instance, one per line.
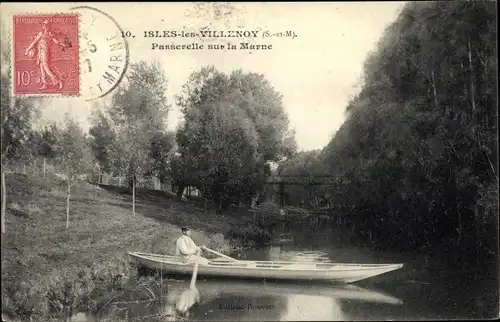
(406, 294)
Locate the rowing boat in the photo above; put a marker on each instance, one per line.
(280, 270)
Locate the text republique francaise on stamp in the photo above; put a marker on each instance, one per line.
(45, 57)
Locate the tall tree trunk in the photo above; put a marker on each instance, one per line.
(282, 194)
(4, 201)
(133, 195)
(219, 202)
(434, 89)
(180, 191)
(471, 72)
(44, 167)
(67, 199)
(24, 167)
(477, 224)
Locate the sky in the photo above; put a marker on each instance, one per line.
(317, 72)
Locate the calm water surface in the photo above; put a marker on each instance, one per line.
(400, 295)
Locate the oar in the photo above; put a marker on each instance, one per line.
(190, 296)
(220, 254)
(195, 272)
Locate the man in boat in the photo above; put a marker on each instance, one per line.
(187, 248)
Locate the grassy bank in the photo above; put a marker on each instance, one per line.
(48, 268)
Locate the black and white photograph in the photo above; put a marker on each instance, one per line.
(249, 161)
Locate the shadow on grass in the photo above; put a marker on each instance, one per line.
(166, 208)
(236, 224)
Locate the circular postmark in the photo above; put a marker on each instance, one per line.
(104, 53)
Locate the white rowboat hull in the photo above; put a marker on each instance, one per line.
(334, 272)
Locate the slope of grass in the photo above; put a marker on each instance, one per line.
(39, 253)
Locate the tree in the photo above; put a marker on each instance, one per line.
(17, 115)
(73, 156)
(29, 151)
(263, 105)
(161, 153)
(137, 116)
(416, 153)
(234, 124)
(103, 136)
(48, 144)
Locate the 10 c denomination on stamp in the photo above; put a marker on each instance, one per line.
(45, 58)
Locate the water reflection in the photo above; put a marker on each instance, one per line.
(237, 300)
(313, 308)
(257, 301)
(236, 307)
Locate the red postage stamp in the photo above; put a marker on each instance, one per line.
(45, 58)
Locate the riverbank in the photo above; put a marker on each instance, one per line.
(48, 269)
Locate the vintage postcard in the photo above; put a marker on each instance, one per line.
(254, 161)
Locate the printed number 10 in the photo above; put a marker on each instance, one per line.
(24, 78)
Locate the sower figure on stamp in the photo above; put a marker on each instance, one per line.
(43, 40)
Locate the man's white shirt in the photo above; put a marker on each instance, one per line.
(185, 246)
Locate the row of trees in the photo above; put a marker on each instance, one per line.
(64, 146)
(233, 126)
(129, 134)
(417, 154)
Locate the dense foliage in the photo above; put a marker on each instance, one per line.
(233, 125)
(415, 162)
